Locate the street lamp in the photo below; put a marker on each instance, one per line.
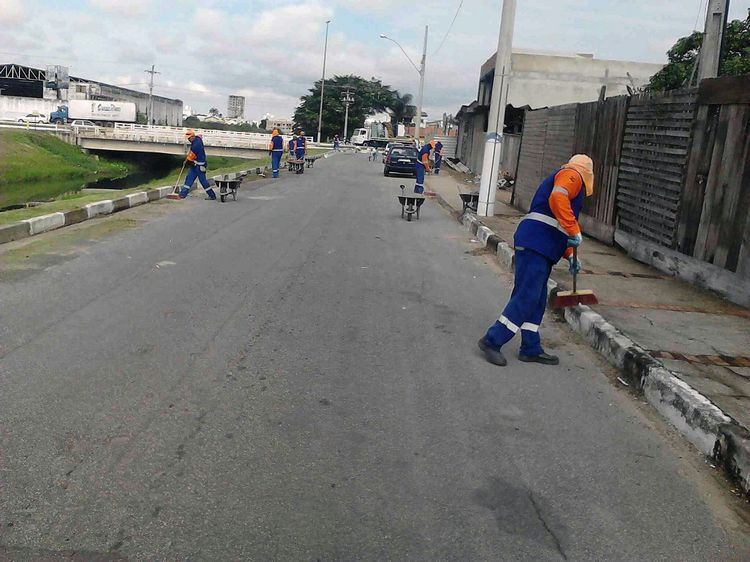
(420, 70)
(323, 83)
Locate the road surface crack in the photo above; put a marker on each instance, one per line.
(540, 516)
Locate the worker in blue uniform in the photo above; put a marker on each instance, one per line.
(276, 148)
(290, 146)
(438, 157)
(423, 165)
(198, 166)
(300, 147)
(547, 233)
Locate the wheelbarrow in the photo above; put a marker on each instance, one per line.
(410, 203)
(469, 200)
(228, 185)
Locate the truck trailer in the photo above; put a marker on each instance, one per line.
(103, 113)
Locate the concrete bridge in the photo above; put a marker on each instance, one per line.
(171, 140)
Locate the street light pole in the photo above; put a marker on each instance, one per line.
(421, 71)
(323, 83)
(348, 99)
(493, 144)
(420, 99)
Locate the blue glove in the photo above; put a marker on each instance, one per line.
(575, 240)
(575, 265)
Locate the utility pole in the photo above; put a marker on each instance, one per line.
(493, 145)
(348, 98)
(709, 58)
(150, 108)
(323, 83)
(418, 124)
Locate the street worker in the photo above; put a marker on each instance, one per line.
(300, 147)
(276, 150)
(197, 158)
(438, 156)
(290, 146)
(423, 165)
(336, 142)
(547, 233)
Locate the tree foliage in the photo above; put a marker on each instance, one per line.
(196, 123)
(369, 96)
(684, 53)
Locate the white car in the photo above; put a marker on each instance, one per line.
(34, 117)
(83, 124)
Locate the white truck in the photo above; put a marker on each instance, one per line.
(102, 113)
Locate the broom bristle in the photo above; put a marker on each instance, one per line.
(173, 196)
(567, 299)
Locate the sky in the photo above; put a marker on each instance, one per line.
(271, 52)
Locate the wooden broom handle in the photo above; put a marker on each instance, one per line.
(575, 273)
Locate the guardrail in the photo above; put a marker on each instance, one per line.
(35, 126)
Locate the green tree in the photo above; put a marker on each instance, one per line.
(369, 96)
(683, 54)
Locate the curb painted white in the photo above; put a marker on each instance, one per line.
(45, 223)
(100, 208)
(692, 414)
(139, 198)
(164, 191)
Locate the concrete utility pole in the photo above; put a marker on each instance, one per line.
(348, 98)
(713, 37)
(150, 109)
(323, 83)
(493, 146)
(421, 70)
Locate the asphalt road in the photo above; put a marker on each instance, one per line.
(294, 376)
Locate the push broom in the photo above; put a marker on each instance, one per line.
(175, 193)
(568, 299)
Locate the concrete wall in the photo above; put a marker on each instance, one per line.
(12, 107)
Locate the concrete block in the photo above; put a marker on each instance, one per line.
(732, 452)
(153, 195)
(76, 216)
(135, 199)
(483, 234)
(100, 208)
(15, 231)
(37, 225)
(506, 256)
(120, 204)
(164, 191)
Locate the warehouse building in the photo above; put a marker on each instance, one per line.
(24, 90)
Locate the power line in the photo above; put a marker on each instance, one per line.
(450, 27)
(698, 16)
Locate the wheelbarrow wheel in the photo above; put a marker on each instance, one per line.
(408, 217)
(223, 197)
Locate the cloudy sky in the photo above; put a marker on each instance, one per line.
(271, 51)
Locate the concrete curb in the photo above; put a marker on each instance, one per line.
(700, 421)
(52, 221)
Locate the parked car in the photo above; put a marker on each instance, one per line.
(34, 117)
(83, 124)
(401, 159)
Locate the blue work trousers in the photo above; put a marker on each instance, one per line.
(438, 162)
(276, 162)
(193, 173)
(419, 185)
(525, 308)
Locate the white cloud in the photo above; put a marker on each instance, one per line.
(122, 8)
(11, 12)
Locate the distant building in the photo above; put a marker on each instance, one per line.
(31, 90)
(285, 126)
(236, 107)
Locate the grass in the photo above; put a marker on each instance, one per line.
(38, 166)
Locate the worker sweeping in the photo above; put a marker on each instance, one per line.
(438, 157)
(423, 165)
(276, 149)
(196, 157)
(547, 233)
(300, 147)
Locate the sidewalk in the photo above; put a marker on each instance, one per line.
(701, 339)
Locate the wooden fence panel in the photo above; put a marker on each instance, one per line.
(560, 139)
(652, 164)
(599, 131)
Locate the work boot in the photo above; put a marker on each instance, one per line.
(210, 195)
(184, 192)
(543, 358)
(494, 356)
